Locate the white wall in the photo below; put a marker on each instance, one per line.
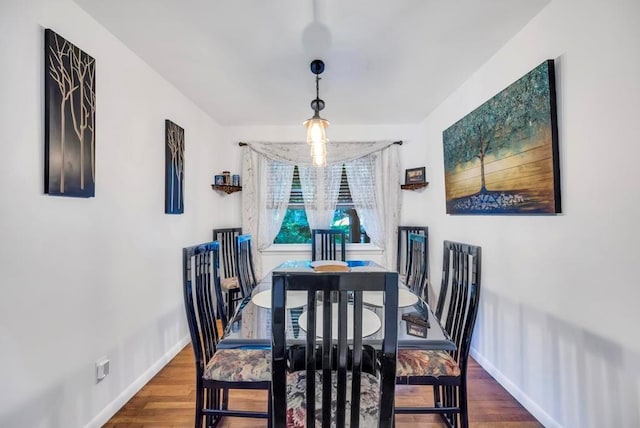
(86, 278)
(559, 303)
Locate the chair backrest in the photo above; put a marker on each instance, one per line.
(244, 265)
(328, 244)
(228, 250)
(403, 246)
(329, 344)
(457, 307)
(417, 275)
(202, 300)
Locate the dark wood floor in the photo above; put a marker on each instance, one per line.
(168, 401)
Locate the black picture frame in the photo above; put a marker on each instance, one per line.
(414, 175)
(69, 118)
(174, 168)
(503, 157)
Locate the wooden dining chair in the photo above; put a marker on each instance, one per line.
(244, 265)
(217, 370)
(333, 390)
(417, 278)
(403, 247)
(457, 309)
(228, 270)
(328, 244)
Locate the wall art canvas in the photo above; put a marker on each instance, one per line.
(174, 168)
(70, 118)
(502, 158)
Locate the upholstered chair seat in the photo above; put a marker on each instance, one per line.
(296, 409)
(229, 283)
(239, 365)
(413, 362)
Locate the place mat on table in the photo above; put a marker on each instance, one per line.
(295, 299)
(376, 298)
(370, 322)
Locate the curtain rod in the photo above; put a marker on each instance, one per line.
(395, 142)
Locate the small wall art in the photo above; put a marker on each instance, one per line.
(70, 118)
(502, 158)
(414, 175)
(174, 168)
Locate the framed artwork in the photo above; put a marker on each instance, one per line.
(502, 158)
(414, 175)
(70, 118)
(174, 168)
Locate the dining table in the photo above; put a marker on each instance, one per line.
(250, 325)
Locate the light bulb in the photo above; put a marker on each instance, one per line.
(316, 129)
(318, 154)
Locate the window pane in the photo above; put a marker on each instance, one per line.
(295, 227)
(346, 218)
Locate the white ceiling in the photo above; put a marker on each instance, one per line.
(246, 62)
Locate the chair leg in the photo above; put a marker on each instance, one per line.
(199, 404)
(464, 411)
(225, 399)
(269, 409)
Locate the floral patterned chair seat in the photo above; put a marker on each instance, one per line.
(296, 401)
(230, 283)
(425, 363)
(239, 365)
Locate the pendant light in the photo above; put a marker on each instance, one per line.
(316, 126)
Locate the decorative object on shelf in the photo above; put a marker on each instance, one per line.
(226, 188)
(235, 180)
(227, 177)
(174, 168)
(70, 117)
(219, 180)
(502, 158)
(316, 135)
(414, 175)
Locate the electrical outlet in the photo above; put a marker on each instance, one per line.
(102, 368)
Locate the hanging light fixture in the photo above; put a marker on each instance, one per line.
(316, 135)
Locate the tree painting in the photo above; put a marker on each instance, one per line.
(502, 158)
(174, 168)
(70, 108)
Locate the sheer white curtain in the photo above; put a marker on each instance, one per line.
(320, 189)
(374, 182)
(265, 197)
(263, 207)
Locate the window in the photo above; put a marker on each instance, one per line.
(295, 227)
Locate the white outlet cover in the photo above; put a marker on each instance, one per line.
(102, 369)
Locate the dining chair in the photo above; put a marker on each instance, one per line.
(228, 271)
(244, 265)
(417, 278)
(457, 309)
(333, 390)
(403, 248)
(328, 244)
(217, 370)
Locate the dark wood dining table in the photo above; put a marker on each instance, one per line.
(250, 326)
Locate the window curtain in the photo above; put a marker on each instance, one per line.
(265, 197)
(320, 189)
(374, 183)
(263, 208)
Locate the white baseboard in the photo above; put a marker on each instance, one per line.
(113, 407)
(543, 417)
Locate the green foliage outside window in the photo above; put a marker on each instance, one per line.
(295, 226)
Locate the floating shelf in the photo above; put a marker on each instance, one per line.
(226, 188)
(413, 186)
